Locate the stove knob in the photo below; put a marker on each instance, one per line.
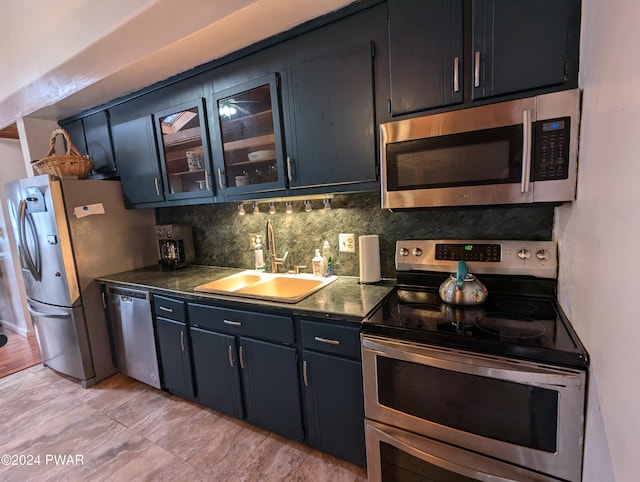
(416, 252)
(404, 252)
(524, 253)
(542, 254)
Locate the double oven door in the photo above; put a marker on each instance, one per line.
(455, 415)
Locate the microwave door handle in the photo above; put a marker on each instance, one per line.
(526, 151)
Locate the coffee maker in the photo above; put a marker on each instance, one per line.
(175, 245)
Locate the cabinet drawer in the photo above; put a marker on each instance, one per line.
(331, 338)
(169, 308)
(256, 325)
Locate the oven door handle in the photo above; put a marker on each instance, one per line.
(448, 458)
(518, 371)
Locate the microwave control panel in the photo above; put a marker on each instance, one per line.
(551, 154)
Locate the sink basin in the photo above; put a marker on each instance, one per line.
(287, 288)
(232, 283)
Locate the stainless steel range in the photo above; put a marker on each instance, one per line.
(494, 391)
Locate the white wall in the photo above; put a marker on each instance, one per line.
(71, 55)
(599, 235)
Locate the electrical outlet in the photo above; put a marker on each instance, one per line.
(252, 241)
(347, 243)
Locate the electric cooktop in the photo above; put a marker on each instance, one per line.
(519, 319)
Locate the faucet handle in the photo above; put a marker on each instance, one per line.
(279, 261)
(298, 267)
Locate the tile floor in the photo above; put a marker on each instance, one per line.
(123, 430)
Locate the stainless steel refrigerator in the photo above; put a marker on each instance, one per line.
(68, 232)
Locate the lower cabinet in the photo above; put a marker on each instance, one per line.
(332, 377)
(246, 366)
(271, 387)
(174, 352)
(217, 371)
(175, 361)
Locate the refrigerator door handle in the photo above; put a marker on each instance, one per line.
(47, 315)
(24, 218)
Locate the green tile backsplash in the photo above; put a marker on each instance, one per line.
(221, 236)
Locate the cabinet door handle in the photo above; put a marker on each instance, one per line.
(234, 323)
(182, 340)
(104, 301)
(289, 172)
(206, 180)
(476, 70)
(326, 340)
(164, 308)
(456, 74)
(526, 151)
(220, 178)
(230, 356)
(155, 180)
(241, 357)
(304, 373)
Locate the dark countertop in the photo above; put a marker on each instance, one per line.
(344, 299)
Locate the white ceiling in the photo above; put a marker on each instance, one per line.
(87, 57)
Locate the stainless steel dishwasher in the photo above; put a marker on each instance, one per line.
(132, 329)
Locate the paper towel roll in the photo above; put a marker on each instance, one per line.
(369, 258)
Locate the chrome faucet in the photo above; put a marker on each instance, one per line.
(270, 245)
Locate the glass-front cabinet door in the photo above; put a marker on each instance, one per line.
(249, 137)
(184, 155)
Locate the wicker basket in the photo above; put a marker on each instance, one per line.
(70, 164)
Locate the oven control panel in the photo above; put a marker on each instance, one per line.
(532, 258)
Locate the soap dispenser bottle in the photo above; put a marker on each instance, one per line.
(258, 253)
(317, 263)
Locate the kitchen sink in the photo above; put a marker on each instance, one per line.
(286, 288)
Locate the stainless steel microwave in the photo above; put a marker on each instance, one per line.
(514, 152)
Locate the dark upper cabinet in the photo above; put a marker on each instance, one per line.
(330, 119)
(520, 45)
(136, 152)
(331, 77)
(450, 52)
(76, 134)
(164, 157)
(425, 54)
(327, 121)
(92, 136)
(249, 141)
(184, 154)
